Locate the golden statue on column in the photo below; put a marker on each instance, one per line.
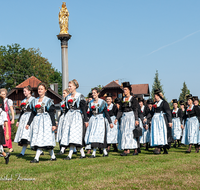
(63, 19)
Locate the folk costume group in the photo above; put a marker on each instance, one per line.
(97, 124)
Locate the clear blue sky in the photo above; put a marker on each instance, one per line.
(111, 39)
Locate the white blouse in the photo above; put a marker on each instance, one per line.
(10, 102)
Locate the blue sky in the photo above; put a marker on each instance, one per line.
(127, 40)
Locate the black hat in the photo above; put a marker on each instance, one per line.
(117, 101)
(189, 96)
(140, 99)
(195, 98)
(90, 95)
(150, 101)
(109, 95)
(126, 84)
(175, 101)
(157, 91)
(182, 102)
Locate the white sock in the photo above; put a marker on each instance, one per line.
(82, 152)
(62, 149)
(94, 152)
(1, 148)
(39, 151)
(51, 152)
(75, 149)
(104, 151)
(23, 149)
(71, 149)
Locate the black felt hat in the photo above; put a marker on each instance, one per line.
(195, 98)
(157, 91)
(109, 95)
(150, 101)
(182, 102)
(175, 101)
(90, 95)
(117, 101)
(126, 84)
(189, 96)
(140, 99)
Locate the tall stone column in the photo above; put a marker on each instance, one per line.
(64, 38)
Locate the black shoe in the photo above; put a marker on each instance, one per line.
(34, 161)
(138, 150)
(174, 145)
(75, 152)
(7, 157)
(42, 154)
(92, 156)
(105, 155)
(115, 150)
(165, 152)
(53, 159)
(81, 157)
(67, 158)
(100, 151)
(135, 154)
(179, 145)
(123, 154)
(187, 151)
(60, 153)
(20, 155)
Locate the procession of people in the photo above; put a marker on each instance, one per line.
(126, 124)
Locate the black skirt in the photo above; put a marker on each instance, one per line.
(2, 138)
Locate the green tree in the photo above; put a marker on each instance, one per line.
(184, 92)
(17, 64)
(156, 85)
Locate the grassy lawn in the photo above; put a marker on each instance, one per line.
(176, 170)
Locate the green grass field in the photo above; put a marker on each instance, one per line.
(176, 170)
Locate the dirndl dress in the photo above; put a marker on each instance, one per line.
(191, 131)
(158, 133)
(126, 131)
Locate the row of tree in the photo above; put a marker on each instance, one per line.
(157, 85)
(17, 64)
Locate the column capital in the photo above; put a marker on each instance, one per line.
(64, 39)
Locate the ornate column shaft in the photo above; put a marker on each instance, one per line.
(64, 54)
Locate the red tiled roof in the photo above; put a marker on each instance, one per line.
(140, 89)
(112, 84)
(32, 81)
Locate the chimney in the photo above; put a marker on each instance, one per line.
(117, 81)
(52, 86)
(56, 87)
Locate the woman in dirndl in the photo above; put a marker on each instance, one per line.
(161, 135)
(75, 121)
(191, 128)
(112, 133)
(96, 131)
(148, 114)
(22, 136)
(42, 124)
(177, 117)
(61, 118)
(7, 106)
(128, 112)
(88, 147)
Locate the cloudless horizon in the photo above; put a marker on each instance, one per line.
(113, 40)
